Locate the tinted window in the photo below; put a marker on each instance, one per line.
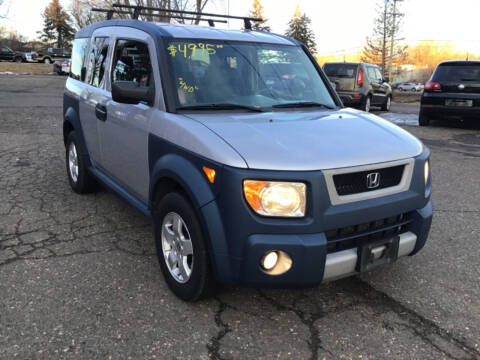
(97, 61)
(457, 73)
(132, 63)
(341, 70)
(78, 57)
(209, 72)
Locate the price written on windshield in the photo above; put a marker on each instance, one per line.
(185, 86)
(190, 50)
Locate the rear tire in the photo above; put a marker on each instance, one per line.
(18, 60)
(423, 120)
(387, 103)
(47, 61)
(367, 103)
(187, 273)
(81, 181)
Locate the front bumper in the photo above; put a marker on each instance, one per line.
(312, 264)
(238, 238)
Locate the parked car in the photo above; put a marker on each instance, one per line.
(57, 67)
(453, 92)
(410, 86)
(7, 54)
(48, 56)
(66, 65)
(242, 154)
(360, 85)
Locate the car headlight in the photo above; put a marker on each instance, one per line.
(426, 171)
(274, 198)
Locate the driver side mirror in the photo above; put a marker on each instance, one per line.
(129, 92)
(386, 79)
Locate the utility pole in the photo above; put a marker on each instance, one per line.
(392, 40)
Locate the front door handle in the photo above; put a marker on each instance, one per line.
(101, 112)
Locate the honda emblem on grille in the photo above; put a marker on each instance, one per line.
(461, 87)
(373, 180)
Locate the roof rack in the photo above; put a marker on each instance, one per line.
(174, 14)
(110, 13)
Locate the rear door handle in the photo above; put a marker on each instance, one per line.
(101, 112)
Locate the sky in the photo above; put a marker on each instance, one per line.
(339, 25)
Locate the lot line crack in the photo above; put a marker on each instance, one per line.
(308, 319)
(214, 344)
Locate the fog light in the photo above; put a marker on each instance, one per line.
(270, 260)
(276, 262)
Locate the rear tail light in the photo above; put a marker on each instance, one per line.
(432, 86)
(360, 77)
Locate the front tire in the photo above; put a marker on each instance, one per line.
(181, 248)
(81, 181)
(47, 61)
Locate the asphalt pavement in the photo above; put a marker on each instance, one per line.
(79, 278)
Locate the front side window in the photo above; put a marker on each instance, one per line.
(79, 53)
(97, 60)
(131, 62)
(256, 75)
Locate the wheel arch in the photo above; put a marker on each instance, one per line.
(173, 172)
(71, 121)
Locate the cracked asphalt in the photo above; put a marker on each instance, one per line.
(79, 278)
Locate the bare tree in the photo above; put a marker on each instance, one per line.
(380, 46)
(83, 16)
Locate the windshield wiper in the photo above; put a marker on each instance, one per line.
(222, 106)
(302, 104)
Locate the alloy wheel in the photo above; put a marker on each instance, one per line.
(177, 247)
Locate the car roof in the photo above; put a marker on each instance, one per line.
(350, 63)
(180, 31)
(460, 62)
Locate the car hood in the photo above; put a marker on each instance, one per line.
(310, 140)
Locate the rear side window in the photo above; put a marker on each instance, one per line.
(371, 73)
(131, 62)
(97, 61)
(79, 52)
(457, 73)
(341, 70)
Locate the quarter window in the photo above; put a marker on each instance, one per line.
(371, 73)
(131, 62)
(97, 61)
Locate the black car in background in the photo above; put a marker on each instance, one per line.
(7, 54)
(48, 56)
(360, 85)
(453, 92)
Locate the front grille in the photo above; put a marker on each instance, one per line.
(355, 183)
(356, 235)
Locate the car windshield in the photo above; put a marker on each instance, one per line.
(228, 75)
